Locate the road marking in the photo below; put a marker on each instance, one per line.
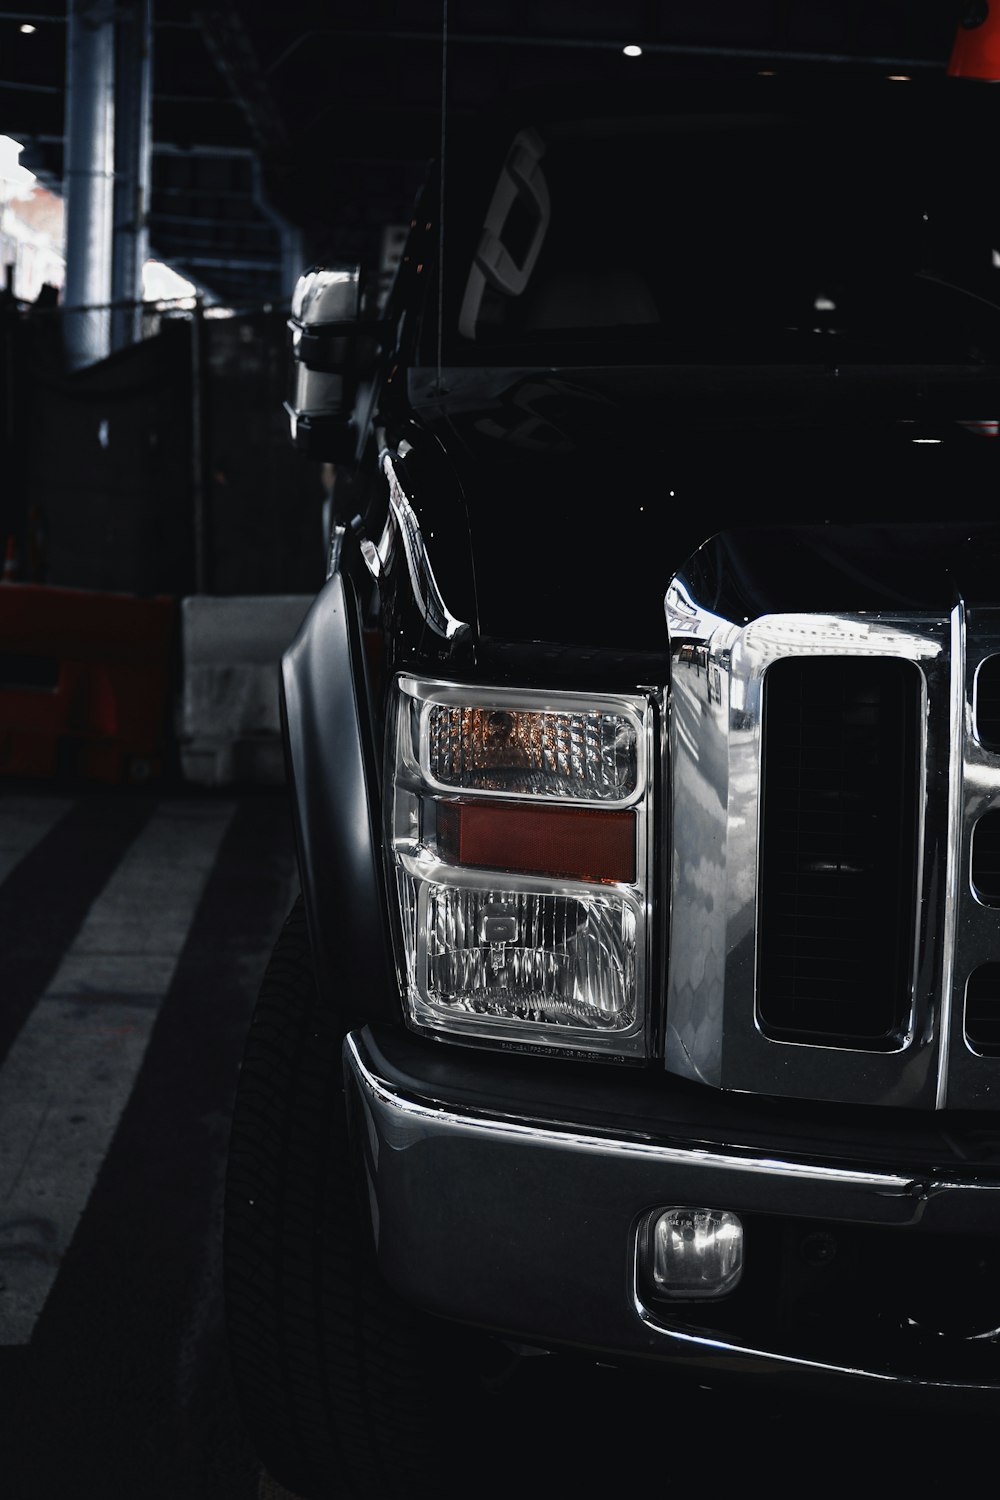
(23, 824)
(71, 1069)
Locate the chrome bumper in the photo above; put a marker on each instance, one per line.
(532, 1231)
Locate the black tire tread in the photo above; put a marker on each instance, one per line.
(335, 1377)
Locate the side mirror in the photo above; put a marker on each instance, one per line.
(330, 345)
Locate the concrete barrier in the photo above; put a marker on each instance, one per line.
(227, 721)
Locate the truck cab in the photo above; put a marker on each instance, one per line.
(643, 998)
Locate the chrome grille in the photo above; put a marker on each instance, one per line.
(834, 935)
(820, 932)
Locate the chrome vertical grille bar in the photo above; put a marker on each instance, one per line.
(716, 1029)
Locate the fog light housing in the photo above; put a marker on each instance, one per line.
(695, 1253)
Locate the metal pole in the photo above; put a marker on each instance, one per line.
(10, 455)
(89, 177)
(133, 158)
(198, 488)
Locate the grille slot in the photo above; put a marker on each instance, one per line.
(986, 858)
(839, 850)
(988, 703)
(982, 1010)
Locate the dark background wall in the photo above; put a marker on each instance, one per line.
(111, 470)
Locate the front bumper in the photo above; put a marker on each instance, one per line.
(530, 1225)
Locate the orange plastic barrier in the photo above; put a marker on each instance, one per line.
(976, 49)
(85, 682)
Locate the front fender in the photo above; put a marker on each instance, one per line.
(334, 780)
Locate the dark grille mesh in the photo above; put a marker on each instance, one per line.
(838, 850)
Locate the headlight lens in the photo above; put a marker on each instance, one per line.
(532, 753)
(518, 839)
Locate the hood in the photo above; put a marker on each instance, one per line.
(586, 491)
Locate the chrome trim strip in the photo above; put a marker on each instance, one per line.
(954, 848)
(973, 1080)
(336, 548)
(990, 1336)
(425, 589)
(885, 1183)
(770, 1356)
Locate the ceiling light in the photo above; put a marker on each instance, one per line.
(632, 50)
(27, 28)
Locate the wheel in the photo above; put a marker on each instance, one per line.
(344, 1390)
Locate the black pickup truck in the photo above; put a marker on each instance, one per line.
(643, 998)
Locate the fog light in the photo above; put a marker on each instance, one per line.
(697, 1252)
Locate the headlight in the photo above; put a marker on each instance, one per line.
(519, 839)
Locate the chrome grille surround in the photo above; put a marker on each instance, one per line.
(718, 685)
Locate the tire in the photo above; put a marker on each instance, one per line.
(344, 1390)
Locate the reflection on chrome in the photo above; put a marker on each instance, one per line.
(424, 584)
(722, 647)
(419, 1117)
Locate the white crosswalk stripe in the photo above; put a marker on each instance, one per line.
(71, 1069)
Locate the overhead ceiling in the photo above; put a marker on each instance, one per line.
(322, 115)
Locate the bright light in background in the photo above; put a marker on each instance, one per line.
(632, 50)
(33, 237)
(161, 283)
(17, 185)
(14, 179)
(27, 28)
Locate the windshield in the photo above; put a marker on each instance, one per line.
(845, 228)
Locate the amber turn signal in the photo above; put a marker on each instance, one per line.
(575, 843)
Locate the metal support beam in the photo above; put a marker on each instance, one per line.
(89, 177)
(133, 167)
(289, 235)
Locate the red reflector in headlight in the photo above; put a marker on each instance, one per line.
(577, 843)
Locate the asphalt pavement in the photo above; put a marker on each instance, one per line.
(135, 926)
